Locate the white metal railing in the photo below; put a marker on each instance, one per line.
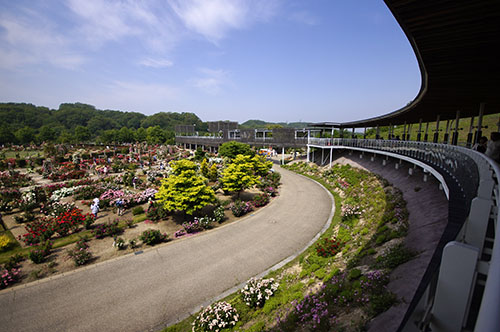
(477, 176)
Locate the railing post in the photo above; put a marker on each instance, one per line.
(456, 276)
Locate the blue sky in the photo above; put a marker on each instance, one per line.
(274, 60)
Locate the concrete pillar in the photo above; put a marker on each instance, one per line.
(308, 151)
(479, 131)
(436, 133)
(331, 152)
(283, 155)
(454, 138)
(446, 133)
(419, 134)
(470, 134)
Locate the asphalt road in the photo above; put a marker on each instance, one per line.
(147, 291)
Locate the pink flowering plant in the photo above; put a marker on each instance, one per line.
(216, 317)
(8, 277)
(240, 208)
(257, 291)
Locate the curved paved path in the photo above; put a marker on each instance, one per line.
(144, 292)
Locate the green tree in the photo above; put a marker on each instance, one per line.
(212, 174)
(199, 154)
(204, 168)
(183, 165)
(46, 134)
(155, 135)
(232, 149)
(187, 192)
(6, 135)
(261, 166)
(25, 135)
(82, 134)
(66, 137)
(239, 175)
(125, 135)
(109, 136)
(141, 134)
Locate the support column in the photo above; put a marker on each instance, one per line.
(404, 131)
(408, 134)
(377, 135)
(479, 131)
(353, 134)
(283, 155)
(470, 134)
(331, 152)
(308, 151)
(364, 134)
(419, 134)
(454, 138)
(436, 133)
(426, 135)
(446, 133)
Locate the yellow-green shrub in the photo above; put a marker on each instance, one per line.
(4, 242)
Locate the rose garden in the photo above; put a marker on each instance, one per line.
(166, 194)
(169, 194)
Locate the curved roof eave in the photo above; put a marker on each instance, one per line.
(447, 36)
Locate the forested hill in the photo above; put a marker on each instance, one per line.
(263, 124)
(23, 123)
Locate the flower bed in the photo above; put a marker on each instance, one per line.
(215, 317)
(240, 208)
(257, 291)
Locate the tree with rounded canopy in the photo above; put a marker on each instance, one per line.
(183, 165)
(232, 149)
(261, 166)
(187, 192)
(239, 175)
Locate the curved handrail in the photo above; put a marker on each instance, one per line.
(464, 168)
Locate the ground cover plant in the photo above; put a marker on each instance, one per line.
(339, 283)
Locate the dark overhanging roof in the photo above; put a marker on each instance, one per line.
(457, 45)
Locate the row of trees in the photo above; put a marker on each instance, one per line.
(26, 123)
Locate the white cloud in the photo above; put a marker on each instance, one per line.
(33, 40)
(101, 21)
(212, 81)
(156, 63)
(304, 17)
(214, 19)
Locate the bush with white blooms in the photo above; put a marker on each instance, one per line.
(216, 317)
(257, 291)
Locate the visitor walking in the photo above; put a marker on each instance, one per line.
(120, 204)
(94, 207)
